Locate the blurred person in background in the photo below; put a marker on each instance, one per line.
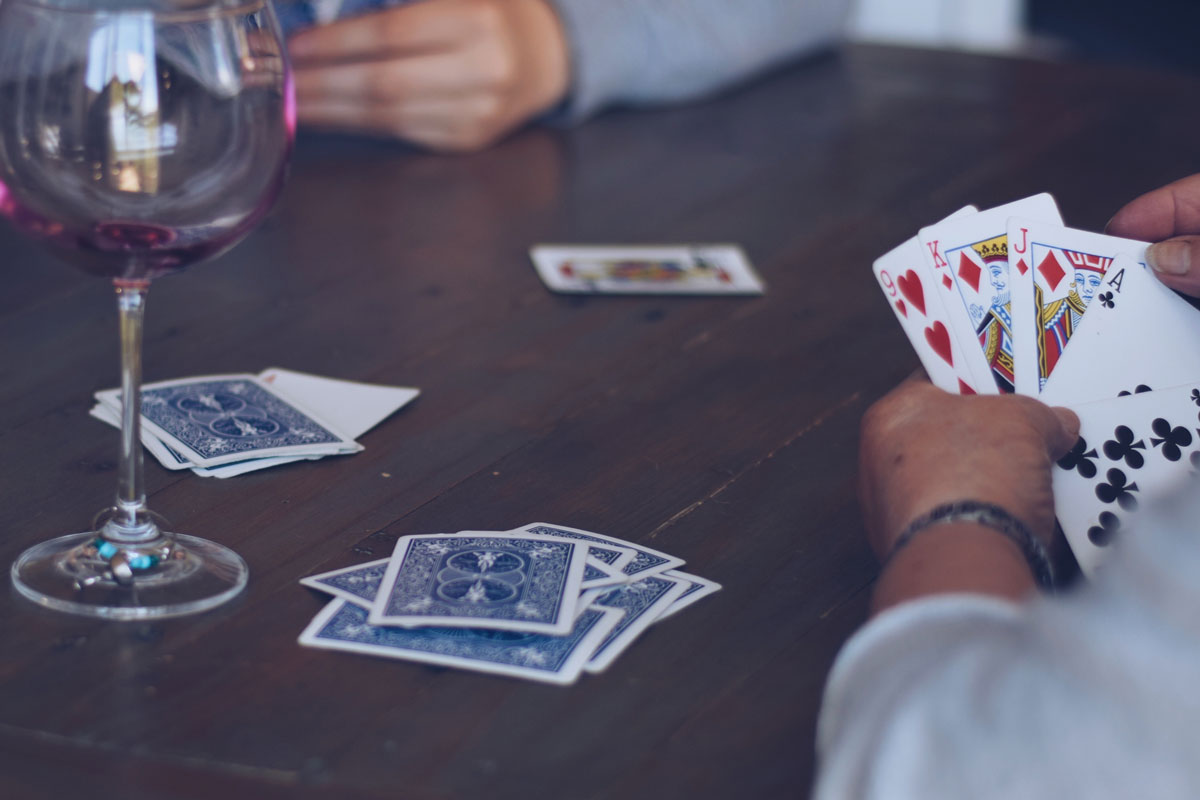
(457, 75)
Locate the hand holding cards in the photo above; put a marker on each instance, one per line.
(225, 425)
(542, 602)
(1075, 319)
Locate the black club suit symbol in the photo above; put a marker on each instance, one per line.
(1141, 388)
(1117, 490)
(1102, 535)
(1106, 299)
(1196, 396)
(1171, 439)
(1080, 459)
(1123, 447)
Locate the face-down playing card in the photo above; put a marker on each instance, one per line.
(224, 418)
(342, 625)
(968, 259)
(1136, 333)
(360, 583)
(643, 601)
(1055, 273)
(698, 588)
(495, 581)
(645, 560)
(1133, 452)
(919, 307)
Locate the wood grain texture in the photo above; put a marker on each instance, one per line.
(723, 430)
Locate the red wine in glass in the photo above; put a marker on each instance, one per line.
(138, 137)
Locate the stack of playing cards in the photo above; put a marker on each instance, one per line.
(226, 425)
(678, 269)
(991, 300)
(542, 602)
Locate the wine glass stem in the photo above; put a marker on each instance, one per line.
(131, 524)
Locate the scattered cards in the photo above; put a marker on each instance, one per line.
(681, 269)
(225, 425)
(1008, 299)
(540, 602)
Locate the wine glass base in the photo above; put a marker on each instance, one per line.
(59, 574)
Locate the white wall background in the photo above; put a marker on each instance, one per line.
(990, 25)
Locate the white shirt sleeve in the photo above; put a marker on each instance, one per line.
(653, 51)
(1092, 694)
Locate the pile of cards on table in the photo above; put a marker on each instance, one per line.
(646, 269)
(994, 301)
(542, 602)
(225, 425)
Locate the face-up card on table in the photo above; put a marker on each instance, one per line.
(1055, 273)
(497, 581)
(1137, 334)
(968, 259)
(342, 625)
(919, 307)
(1133, 451)
(676, 269)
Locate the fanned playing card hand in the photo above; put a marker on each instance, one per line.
(1086, 326)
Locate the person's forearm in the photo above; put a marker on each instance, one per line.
(656, 51)
(954, 558)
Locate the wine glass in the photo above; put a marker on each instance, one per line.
(138, 137)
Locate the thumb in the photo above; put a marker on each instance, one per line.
(1068, 433)
(1176, 262)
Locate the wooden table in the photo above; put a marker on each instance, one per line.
(722, 430)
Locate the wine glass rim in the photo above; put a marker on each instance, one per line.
(195, 11)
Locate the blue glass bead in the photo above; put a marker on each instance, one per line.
(141, 561)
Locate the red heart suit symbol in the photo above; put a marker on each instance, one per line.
(914, 293)
(939, 339)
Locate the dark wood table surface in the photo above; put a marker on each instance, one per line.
(722, 430)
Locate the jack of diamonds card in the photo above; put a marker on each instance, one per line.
(1133, 453)
(969, 260)
(918, 306)
(1055, 272)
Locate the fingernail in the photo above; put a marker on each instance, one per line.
(1069, 420)
(1170, 258)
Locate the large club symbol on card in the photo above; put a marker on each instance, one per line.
(919, 307)
(1055, 272)
(969, 261)
(1133, 452)
(1137, 333)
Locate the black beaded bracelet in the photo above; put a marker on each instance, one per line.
(989, 516)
